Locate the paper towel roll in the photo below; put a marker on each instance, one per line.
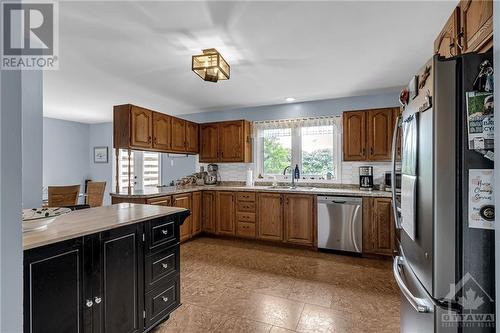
(249, 181)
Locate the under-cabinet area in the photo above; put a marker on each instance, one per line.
(276, 217)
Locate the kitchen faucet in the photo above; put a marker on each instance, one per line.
(293, 174)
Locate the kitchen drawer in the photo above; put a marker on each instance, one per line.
(246, 229)
(245, 217)
(161, 266)
(246, 206)
(161, 301)
(246, 196)
(162, 201)
(162, 233)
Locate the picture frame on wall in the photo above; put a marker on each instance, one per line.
(100, 154)
(413, 87)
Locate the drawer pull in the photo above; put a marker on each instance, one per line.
(164, 265)
(164, 298)
(97, 300)
(164, 231)
(89, 303)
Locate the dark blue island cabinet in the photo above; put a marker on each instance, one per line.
(124, 279)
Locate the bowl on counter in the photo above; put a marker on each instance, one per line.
(40, 218)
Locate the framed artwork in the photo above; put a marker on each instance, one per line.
(100, 154)
(413, 87)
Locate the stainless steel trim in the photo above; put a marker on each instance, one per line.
(419, 304)
(395, 209)
(353, 228)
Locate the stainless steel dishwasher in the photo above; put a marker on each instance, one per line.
(340, 223)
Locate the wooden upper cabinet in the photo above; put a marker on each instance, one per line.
(354, 135)
(299, 219)
(162, 127)
(209, 148)
(139, 128)
(446, 43)
(230, 141)
(184, 201)
(208, 211)
(379, 140)
(270, 216)
(225, 212)
(141, 125)
(192, 137)
(178, 134)
(476, 19)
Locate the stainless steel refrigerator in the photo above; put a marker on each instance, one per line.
(445, 261)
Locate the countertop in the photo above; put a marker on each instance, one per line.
(162, 191)
(93, 220)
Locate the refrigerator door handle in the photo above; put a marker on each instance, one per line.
(395, 209)
(419, 304)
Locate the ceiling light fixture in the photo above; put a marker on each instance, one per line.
(290, 99)
(210, 66)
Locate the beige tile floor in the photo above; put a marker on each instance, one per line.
(240, 286)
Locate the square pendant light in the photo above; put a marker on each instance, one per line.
(210, 66)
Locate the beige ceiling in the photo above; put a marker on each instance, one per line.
(140, 52)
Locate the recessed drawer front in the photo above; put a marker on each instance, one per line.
(246, 196)
(246, 229)
(246, 206)
(162, 233)
(245, 217)
(161, 201)
(162, 301)
(161, 265)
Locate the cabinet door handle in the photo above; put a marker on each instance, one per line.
(164, 298)
(164, 265)
(149, 139)
(371, 151)
(89, 303)
(364, 150)
(164, 231)
(97, 300)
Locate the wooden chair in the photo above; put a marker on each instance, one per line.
(60, 196)
(95, 193)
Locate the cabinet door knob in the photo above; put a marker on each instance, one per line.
(164, 231)
(97, 300)
(164, 298)
(164, 265)
(89, 303)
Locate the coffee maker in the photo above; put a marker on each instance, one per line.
(211, 177)
(366, 178)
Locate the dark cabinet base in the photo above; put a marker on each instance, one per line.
(121, 280)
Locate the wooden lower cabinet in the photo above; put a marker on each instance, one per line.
(225, 213)
(208, 214)
(378, 226)
(299, 219)
(196, 213)
(184, 201)
(270, 216)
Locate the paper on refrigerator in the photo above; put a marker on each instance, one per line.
(481, 199)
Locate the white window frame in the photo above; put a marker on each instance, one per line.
(297, 158)
(136, 178)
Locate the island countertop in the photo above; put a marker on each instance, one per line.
(93, 220)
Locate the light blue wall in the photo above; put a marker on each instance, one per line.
(324, 107)
(65, 152)
(173, 168)
(102, 135)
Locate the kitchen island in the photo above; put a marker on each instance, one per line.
(108, 269)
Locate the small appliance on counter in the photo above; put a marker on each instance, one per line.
(211, 177)
(366, 178)
(388, 182)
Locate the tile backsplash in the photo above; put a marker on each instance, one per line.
(350, 171)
